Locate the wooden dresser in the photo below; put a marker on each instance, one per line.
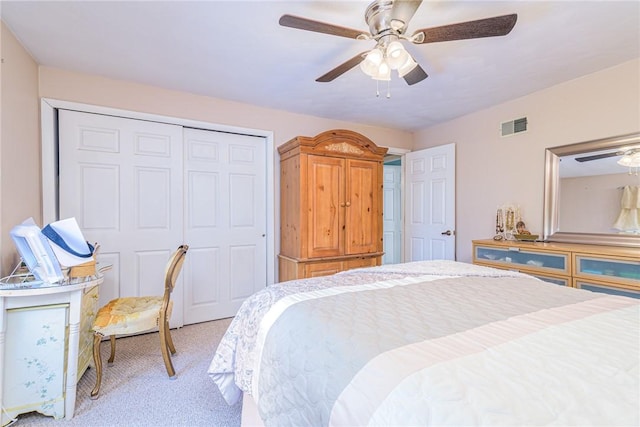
(330, 204)
(610, 269)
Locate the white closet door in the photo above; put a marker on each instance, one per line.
(225, 222)
(123, 181)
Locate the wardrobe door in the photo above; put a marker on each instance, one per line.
(325, 206)
(362, 219)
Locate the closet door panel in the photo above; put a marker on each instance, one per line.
(122, 179)
(225, 222)
(100, 196)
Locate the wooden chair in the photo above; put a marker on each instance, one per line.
(131, 315)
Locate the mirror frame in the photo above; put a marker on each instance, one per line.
(551, 224)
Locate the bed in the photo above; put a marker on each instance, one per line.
(432, 343)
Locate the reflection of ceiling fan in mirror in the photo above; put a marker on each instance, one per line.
(629, 152)
(388, 21)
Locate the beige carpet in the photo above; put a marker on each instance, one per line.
(136, 390)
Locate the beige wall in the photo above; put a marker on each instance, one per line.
(19, 143)
(23, 84)
(91, 89)
(493, 170)
(599, 195)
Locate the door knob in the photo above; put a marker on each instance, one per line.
(447, 233)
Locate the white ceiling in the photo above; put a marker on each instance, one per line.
(236, 50)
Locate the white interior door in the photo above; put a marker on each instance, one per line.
(392, 215)
(122, 180)
(225, 222)
(430, 204)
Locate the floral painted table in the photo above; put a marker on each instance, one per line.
(40, 335)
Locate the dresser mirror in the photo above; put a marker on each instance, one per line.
(589, 189)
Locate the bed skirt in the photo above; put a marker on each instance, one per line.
(250, 416)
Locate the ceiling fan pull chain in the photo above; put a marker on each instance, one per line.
(377, 89)
(388, 89)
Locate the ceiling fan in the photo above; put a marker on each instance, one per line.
(628, 152)
(388, 21)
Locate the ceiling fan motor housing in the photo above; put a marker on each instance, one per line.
(381, 23)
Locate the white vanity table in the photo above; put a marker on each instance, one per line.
(45, 345)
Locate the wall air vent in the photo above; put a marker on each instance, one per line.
(513, 126)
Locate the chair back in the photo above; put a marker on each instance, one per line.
(174, 266)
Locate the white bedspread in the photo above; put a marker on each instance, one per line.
(433, 343)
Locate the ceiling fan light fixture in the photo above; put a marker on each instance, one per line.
(630, 160)
(372, 61)
(384, 72)
(407, 66)
(396, 55)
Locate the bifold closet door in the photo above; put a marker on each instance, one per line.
(122, 179)
(142, 188)
(225, 221)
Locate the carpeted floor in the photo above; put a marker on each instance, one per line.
(136, 390)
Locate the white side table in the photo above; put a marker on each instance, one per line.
(39, 347)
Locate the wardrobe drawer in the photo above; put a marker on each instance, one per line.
(322, 268)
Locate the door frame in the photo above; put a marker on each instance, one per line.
(48, 128)
(400, 152)
(396, 154)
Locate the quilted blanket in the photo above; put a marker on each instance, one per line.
(433, 343)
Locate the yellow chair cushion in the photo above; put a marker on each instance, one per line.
(129, 315)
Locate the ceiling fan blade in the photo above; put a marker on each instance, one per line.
(319, 27)
(342, 68)
(403, 10)
(596, 157)
(415, 76)
(488, 27)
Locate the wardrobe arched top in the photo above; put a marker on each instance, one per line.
(334, 143)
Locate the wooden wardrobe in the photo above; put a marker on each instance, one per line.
(330, 204)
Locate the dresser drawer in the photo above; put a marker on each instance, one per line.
(519, 258)
(556, 280)
(607, 288)
(623, 271)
